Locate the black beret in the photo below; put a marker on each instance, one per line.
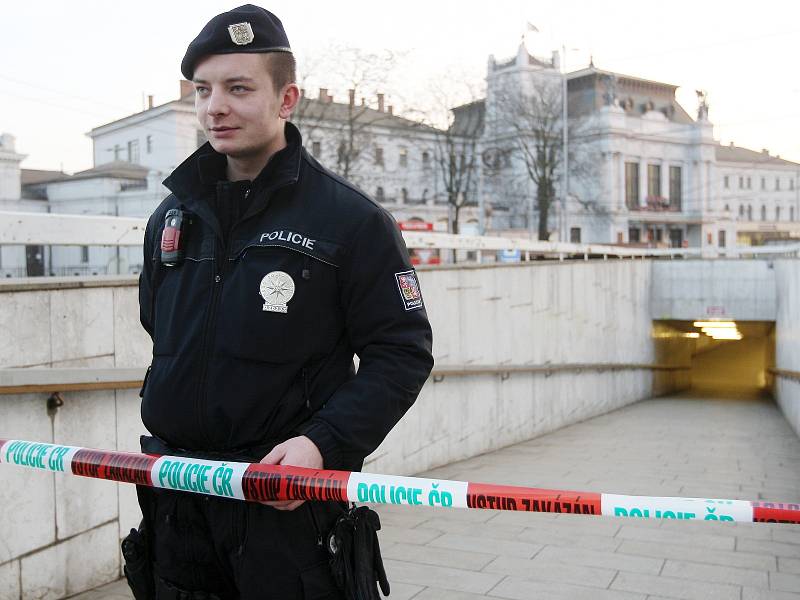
(247, 28)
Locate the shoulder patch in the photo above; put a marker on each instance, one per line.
(409, 289)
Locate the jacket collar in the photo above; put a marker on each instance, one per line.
(195, 179)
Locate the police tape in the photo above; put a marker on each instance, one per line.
(257, 482)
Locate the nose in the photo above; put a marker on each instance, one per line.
(217, 104)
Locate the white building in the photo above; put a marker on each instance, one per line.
(642, 171)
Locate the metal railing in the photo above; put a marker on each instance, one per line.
(51, 380)
(17, 228)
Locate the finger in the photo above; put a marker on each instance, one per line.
(291, 505)
(275, 456)
(276, 503)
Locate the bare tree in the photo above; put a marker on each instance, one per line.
(457, 127)
(348, 127)
(534, 117)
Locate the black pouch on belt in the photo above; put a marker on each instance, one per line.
(136, 551)
(356, 560)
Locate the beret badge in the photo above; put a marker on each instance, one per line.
(241, 33)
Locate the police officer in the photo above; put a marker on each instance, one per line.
(264, 274)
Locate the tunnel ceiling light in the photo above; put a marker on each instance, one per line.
(692, 334)
(711, 330)
(726, 324)
(729, 335)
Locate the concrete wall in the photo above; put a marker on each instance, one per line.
(787, 339)
(60, 534)
(686, 290)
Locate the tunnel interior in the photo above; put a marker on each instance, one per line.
(730, 367)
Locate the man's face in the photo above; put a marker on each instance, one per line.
(237, 105)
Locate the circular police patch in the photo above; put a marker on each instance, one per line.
(277, 288)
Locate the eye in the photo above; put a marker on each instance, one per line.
(201, 90)
(239, 88)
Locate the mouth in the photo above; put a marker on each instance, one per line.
(223, 128)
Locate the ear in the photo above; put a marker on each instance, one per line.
(290, 96)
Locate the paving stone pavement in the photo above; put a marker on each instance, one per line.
(679, 446)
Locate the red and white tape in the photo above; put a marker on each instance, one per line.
(257, 482)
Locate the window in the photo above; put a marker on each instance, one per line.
(426, 160)
(634, 235)
(741, 182)
(403, 157)
(791, 184)
(675, 181)
(659, 235)
(379, 195)
(721, 238)
(749, 212)
(404, 195)
(654, 181)
(749, 183)
(117, 150)
(341, 153)
(777, 213)
(763, 213)
(632, 185)
(379, 156)
(133, 151)
(727, 208)
(791, 213)
(726, 182)
(777, 184)
(149, 144)
(84, 254)
(575, 235)
(763, 183)
(316, 149)
(741, 211)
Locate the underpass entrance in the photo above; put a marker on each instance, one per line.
(731, 358)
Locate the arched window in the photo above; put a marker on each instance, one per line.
(379, 195)
(741, 211)
(404, 195)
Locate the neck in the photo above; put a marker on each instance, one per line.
(248, 167)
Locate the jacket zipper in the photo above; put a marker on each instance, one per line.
(209, 332)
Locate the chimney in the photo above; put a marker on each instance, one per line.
(323, 94)
(363, 102)
(149, 101)
(352, 95)
(731, 145)
(187, 89)
(329, 99)
(765, 151)
(380, 102)
(390, 109)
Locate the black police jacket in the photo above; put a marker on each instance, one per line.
(237, 366)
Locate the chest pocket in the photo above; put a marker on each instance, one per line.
(280, 302)
(181, 293)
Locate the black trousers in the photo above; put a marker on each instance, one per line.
(241, 550)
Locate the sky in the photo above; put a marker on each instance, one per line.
(70, 66)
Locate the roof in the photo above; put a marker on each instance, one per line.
(469, 119)
(116, 169)
(34, 176)
(737, 154)
(314, 110)
(589, 87)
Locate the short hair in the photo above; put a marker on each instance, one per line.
(281, 67)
